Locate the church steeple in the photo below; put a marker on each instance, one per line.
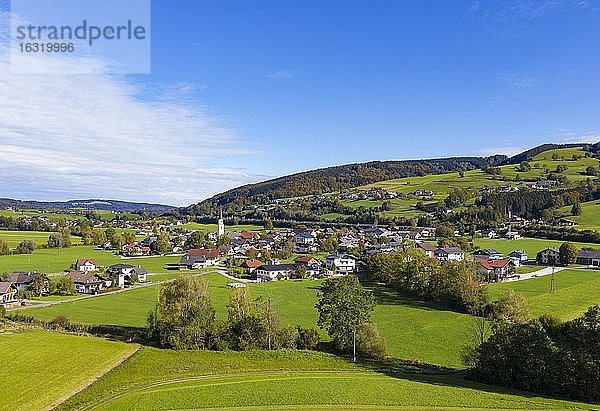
(221, 224)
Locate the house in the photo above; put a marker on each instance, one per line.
(425, 247)
(589, 257)
(251, 265)
(23, 281)
(496, 269)
(306, 260)
(512, 235)
(85, 265)
(449, 254)
(134, 250)
(8, 294)
(199, 258)
(549, 256)
(341, 263)
(520, 256)
(249, 235)
(489, 234)
(121, 274)
(88, 282)
(275, 272)
(305, 237)
(488, 254)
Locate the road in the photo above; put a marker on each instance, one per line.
(538, 273)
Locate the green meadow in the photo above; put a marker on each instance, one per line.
(43, 368)
(58, 260)
(13, 238)
(163, 379)
(576, 291)
(589, 218)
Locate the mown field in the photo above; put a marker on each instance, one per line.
(576, 290)
(589, 218)
(57, 260)
(13, 238)
(41, 368)
(162, 379)
(34, 213)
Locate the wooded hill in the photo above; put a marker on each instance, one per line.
(337, 178)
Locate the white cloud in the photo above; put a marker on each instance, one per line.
(101, 135)
(516, 80)
(283, 74)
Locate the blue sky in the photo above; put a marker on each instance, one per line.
(285, 86)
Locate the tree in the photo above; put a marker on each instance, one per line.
(4, 248)
(369, 343)
(196, 240)
(343, 306)
(162, 245)
(591, 171)
(330, 244)
(270, 320)
(223, 240)
(268, 224)
(184, 316)
(511, 308)
(65, 286)
(567, 253)
(524, 166)
(38, 285)
(26, 247)
(576, 209)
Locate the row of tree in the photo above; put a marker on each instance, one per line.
(452, 284)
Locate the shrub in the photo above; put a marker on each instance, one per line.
(369, 343)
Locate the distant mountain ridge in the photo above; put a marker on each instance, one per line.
(92, 204)
(336, 178)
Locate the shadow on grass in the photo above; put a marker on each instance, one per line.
(386, 295)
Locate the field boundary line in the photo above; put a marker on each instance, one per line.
(134, 348)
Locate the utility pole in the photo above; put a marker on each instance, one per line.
(552, 285)
(354, 345)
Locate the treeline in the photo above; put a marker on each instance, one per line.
(184, 318)
(546, 356)
(451, 284)
(332, 179)
(561, 233)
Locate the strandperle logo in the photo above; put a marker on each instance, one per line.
(80, 36)
(88, 32)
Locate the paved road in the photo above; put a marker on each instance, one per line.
(538, 273)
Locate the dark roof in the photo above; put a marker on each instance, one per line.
(5, 286)
(203, 252)
(426, 246)
(22, 278)
(120, 266)
(191, 259)
(588, 254)
(449, 250)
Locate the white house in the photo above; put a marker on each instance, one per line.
(275, 272)
(123, 273)
(549, 256)
(85, 265)
(341, 263)
(8, 293)
(449, 254)
(88, 282)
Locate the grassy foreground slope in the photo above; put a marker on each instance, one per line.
(41, 368)
(589, 218)
(163, 379)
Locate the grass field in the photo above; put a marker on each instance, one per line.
(34, 213)
(576, 291)
(13, 238)
(42, 367)
(589, 218)
(413, 329)
(57, 260)
(162, 379)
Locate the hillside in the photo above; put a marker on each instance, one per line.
(422, 190)
(96, 204)
(334, 179)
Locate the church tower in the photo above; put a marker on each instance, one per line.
(221, 225)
